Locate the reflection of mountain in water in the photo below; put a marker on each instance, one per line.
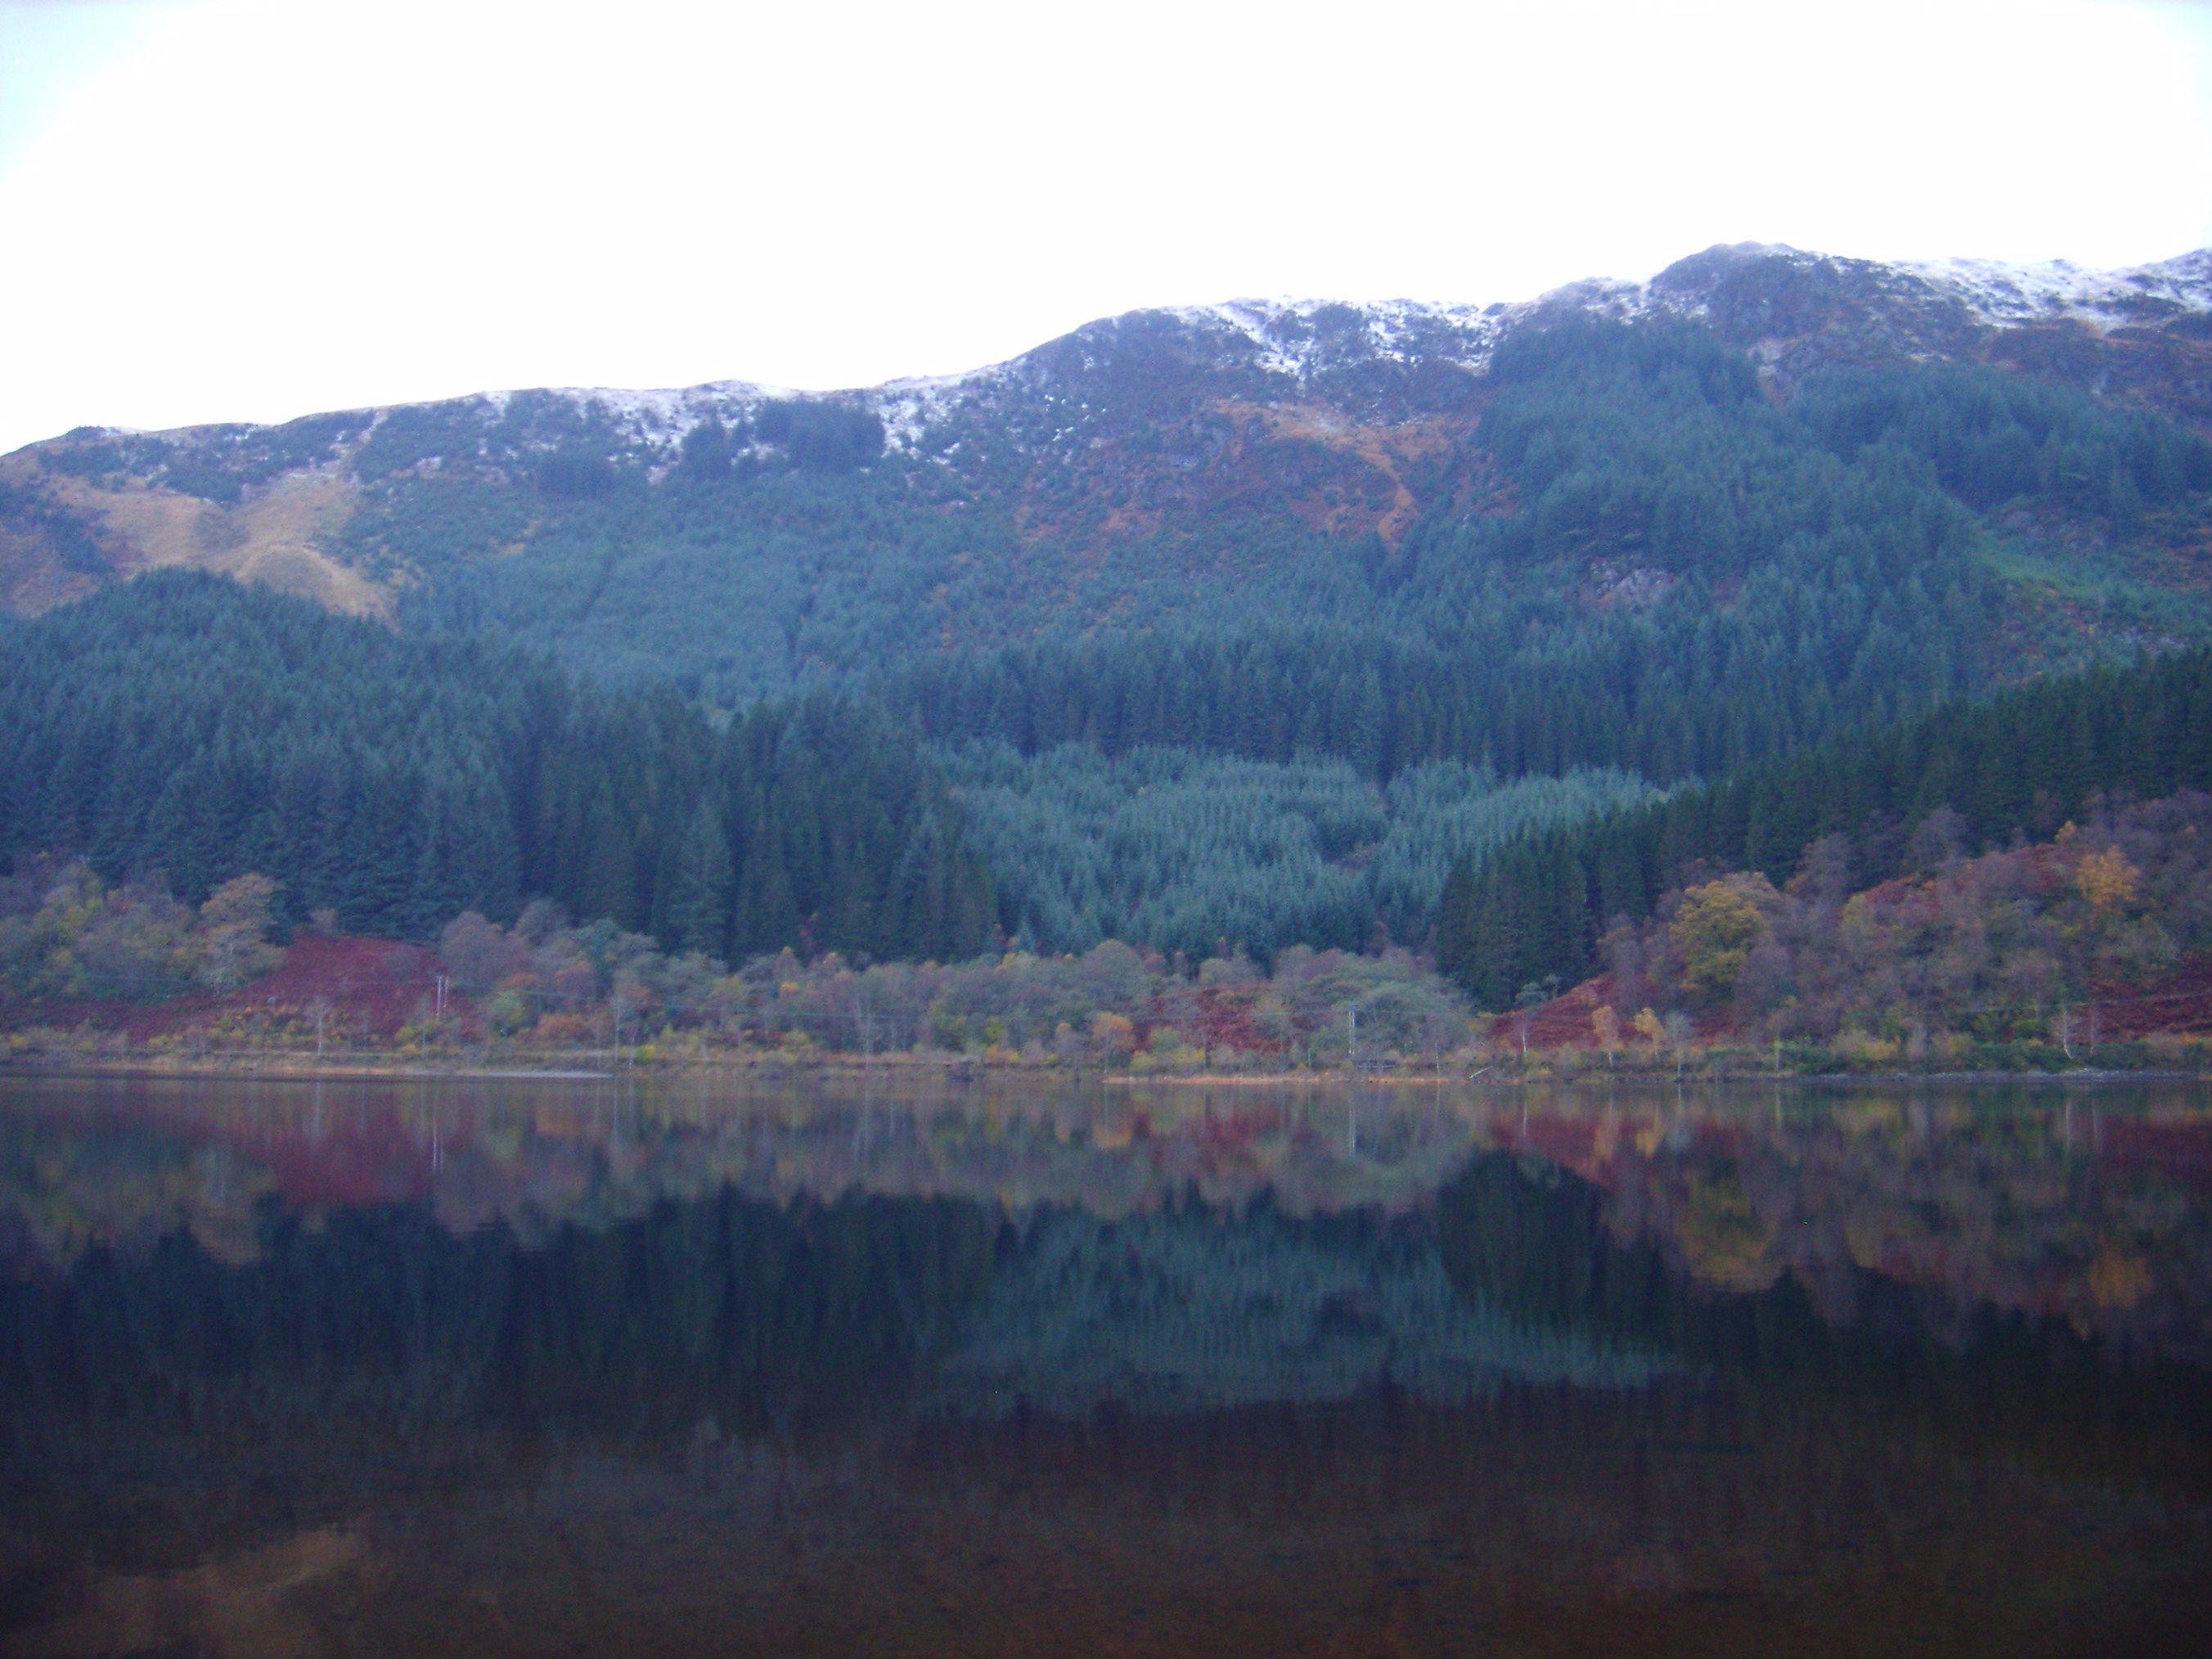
(651, 1377)
(2093, 1206)
(1196, 1310)
(551, 1268)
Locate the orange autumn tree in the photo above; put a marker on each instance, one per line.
(2107, 880)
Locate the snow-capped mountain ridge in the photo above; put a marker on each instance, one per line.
(1295, 338)
(1337, 413)
(1993, 293)
(1929, 308)
(2001, 294)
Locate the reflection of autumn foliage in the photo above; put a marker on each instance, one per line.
(76, 1191)
(1855, 1217)
(787, 1306)
(2008, 1202)
(538, 1153)
(2117, 1281)
(1723, 1233)
(2020, 1207)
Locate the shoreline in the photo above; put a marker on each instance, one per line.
(968, 1069)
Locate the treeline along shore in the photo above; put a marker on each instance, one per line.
(2022, 881)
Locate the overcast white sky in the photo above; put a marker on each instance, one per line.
(222, 211)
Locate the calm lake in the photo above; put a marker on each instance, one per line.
(541, 1367)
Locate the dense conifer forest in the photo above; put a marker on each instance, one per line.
(1194, 851)
(187, 728)
(2004, 772)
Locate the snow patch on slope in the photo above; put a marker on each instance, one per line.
(909, 407)
(660, 418)
(2003, 295)
(1301, 337)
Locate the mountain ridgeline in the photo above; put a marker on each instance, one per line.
(1237, 626)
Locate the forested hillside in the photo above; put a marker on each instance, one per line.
(1662, 571)
(1415, 490)
(187, 726)
(1231, 627)
(1194, 851)
(2012, 769)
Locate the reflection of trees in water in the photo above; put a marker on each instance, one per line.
(755, 1312)
(63, 1189)
(1197, 1308)
(1285, 1373)
(761, 1314)
(156, 1404)
(758, 1313)
(2040, 1200)
(1537, 1242)
(540, 1156)
(2025, 1198)
(2008, 1219)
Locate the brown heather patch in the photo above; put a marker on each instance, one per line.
(1241, 468)
(1388, 449)
(32, 581)
(31, 578)
(269, 539)
(2166, 366)
(372, 986)
(1130, 519)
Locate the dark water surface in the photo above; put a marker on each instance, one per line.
(569, 1367)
